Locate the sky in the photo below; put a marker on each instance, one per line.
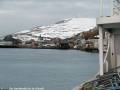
(18, 15)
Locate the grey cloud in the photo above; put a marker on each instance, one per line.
(16, 15)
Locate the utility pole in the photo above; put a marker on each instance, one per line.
(111, 7)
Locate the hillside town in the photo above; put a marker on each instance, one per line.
(87, 40)
(75, 33)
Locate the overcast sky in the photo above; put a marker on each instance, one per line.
(17, 15)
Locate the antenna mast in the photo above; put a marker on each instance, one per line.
(101, 8)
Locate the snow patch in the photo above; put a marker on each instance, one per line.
(62, 29)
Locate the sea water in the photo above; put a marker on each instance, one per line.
(46, 68)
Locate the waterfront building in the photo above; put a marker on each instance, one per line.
(6, 43)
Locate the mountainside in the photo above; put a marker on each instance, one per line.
(62, 29)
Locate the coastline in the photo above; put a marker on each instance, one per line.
(57, 48)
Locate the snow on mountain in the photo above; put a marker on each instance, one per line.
(25, 31)
(62, 29)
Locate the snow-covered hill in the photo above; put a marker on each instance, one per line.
(62, 29)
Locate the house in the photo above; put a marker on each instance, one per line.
(92, 43)
(6, 44)
(25, 37)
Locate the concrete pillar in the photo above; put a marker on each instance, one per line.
(113, 60)
(101, 62)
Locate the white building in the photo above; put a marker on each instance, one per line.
(25, 37)
(110, 25)
(6, 43)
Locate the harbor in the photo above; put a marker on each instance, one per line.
(83, 49)
(48, 68)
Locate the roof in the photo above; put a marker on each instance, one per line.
(109, 22)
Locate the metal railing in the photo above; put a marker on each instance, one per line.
(116, 7)
(109, 81)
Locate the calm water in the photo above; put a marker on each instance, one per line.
(51, 69)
